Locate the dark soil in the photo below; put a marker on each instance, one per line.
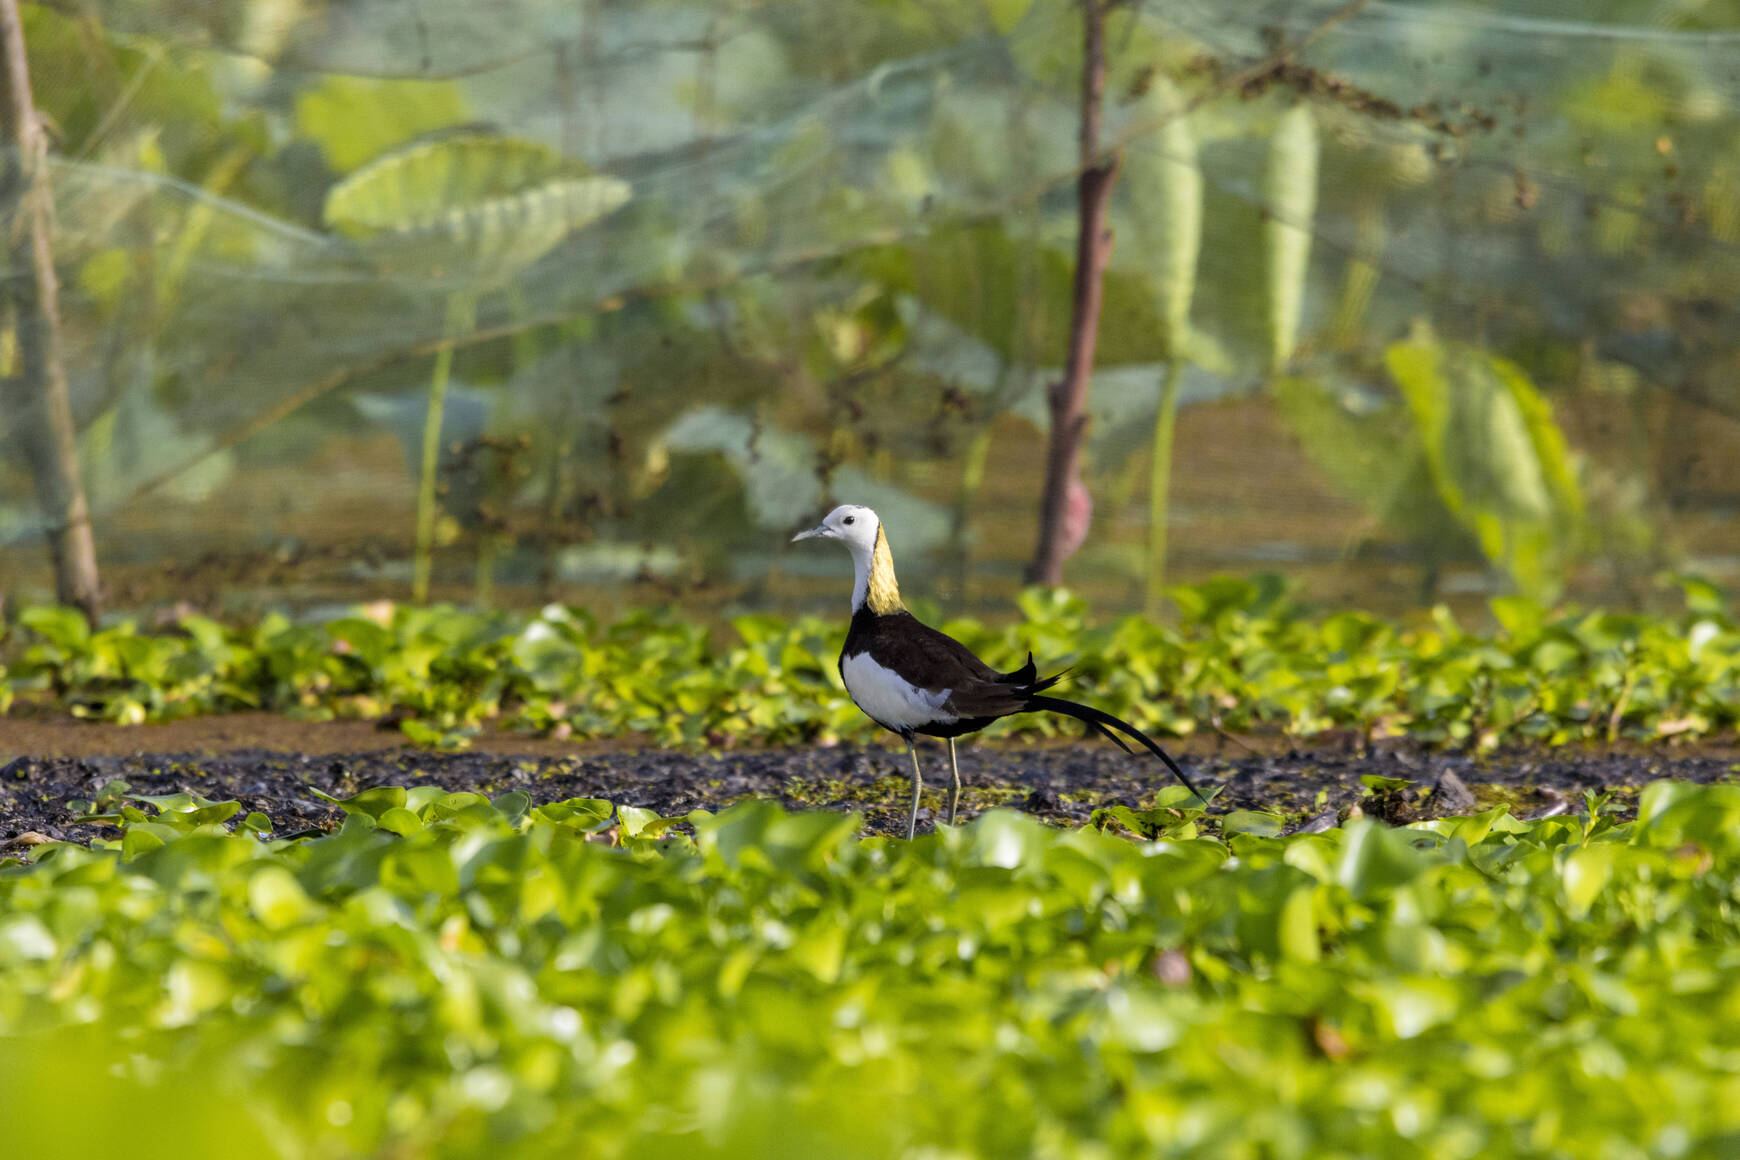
(1061, 784)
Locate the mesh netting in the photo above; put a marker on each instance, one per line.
(1459, 320)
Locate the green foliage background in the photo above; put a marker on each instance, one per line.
(454, 976)
(1244, 657)
(623, 292)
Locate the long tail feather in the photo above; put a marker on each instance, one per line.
(1105, 722)
(1113, 737)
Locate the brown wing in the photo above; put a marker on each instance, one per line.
(933, 661)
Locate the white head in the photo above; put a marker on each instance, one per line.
(850, 523)
(873, 566)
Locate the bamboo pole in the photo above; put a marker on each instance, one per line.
(36, 394)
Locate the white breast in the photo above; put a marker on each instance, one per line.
(889, 698)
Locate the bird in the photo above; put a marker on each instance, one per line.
(912, 679)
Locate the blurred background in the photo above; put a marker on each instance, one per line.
(1445, 296)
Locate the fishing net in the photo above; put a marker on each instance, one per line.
(1424, 301)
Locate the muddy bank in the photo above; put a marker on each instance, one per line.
(1061, 784)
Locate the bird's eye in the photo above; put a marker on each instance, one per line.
(847, 520)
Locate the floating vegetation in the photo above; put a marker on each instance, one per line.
(1244, 658)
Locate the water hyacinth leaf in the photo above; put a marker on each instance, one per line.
(579, 813)
(806, 841)
(1258, 823)
(809, 953)
(142, 838)
(1007, 839)
(1587, 872)
(24, 938)
(452, 804)
(65, 628)
(400, 821)
(1474, 828)
(1414, 1006)
(1244, 648)
(1375, 857)
(420, 799)
(1297, 925)
(1702, 595)
(432, 736)
(513, 805)
(1143, 1021)
(821, 950)
(642, 823)
(369, 642)
(1670, 813)
(371, 802)
(1137, 823)
(277, 898)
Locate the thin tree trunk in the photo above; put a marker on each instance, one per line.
(38, 394)
(1093, 250)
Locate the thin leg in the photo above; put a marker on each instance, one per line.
(955, 783)
(917, 788)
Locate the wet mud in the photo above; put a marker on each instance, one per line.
(1061, 784)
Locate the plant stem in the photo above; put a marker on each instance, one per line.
(1623, 702)
(523, 341)
(38, 395)
(972, 478)
(1159, 488)
(486, 550)
(461, 313)
(1362, 272)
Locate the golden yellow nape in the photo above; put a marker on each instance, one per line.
(882, 595)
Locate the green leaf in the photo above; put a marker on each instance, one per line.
(277, 899)
(23, 938)
(400, 821)
(1255, 822)
(63, 627)
(1167, 182)
(642, 823)
(1297, 925)
(1376, 858)
(481, 208)
(371, 802)
(1497, 458)
(579, 813)
(356, 119)
(1586, 874)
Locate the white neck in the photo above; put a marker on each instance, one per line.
(861, 560)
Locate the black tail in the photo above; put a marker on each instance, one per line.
(1027, 677)
(1105, 722)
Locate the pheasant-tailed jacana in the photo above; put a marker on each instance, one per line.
(911, 679)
